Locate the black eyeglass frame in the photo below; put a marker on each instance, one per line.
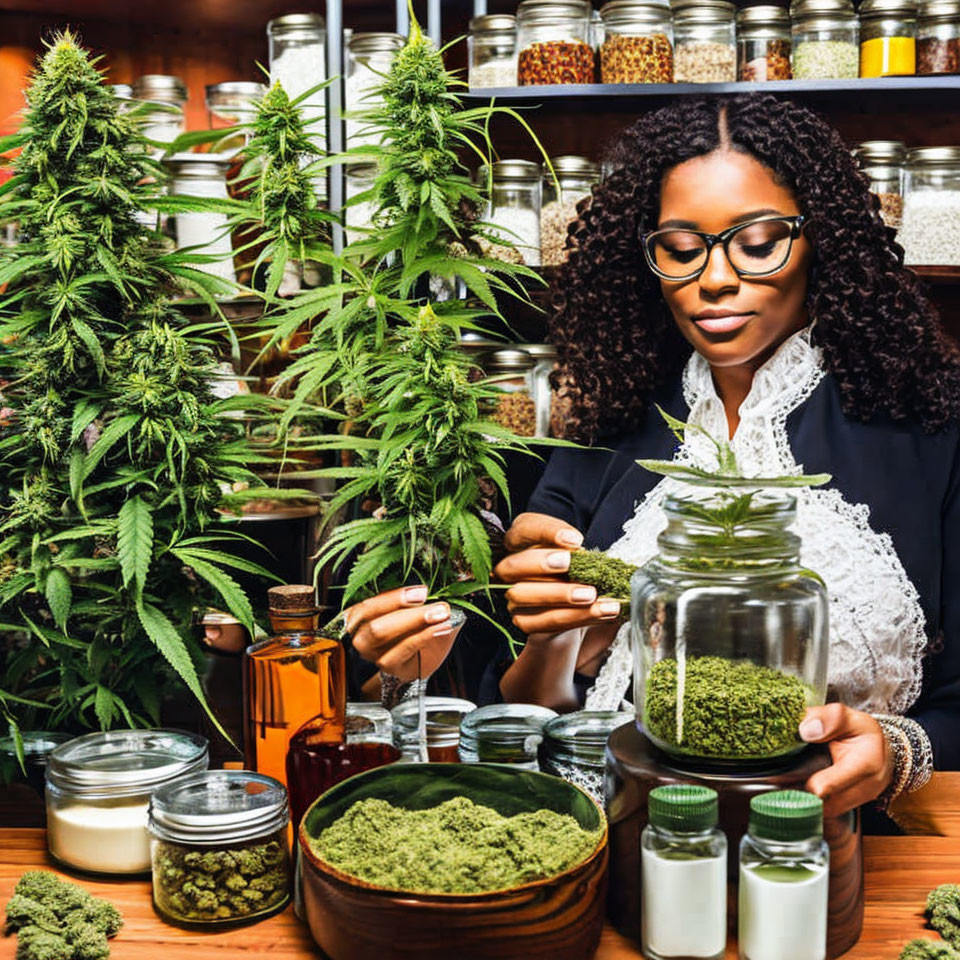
(712, 239)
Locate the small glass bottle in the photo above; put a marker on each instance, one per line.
(938, 37)
(443, 727)
(888, 38)
(683, 858)
(514, 210)
(638, 42)
(369, 57)
(295, 676)
(704, 41)
(575, 177)
(784, 878)
(763, 44)
(504, 733)
(825, 40)
(492, 51)
(882, 161)
(555, 42)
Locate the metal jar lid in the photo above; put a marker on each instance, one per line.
(530, 11)
(704, 11)
(812, 12)
(940, 11)
(501, 729)
(880, 151)
(494, 23)
(511, 170)
(540, 351)
(628, 11)
(237, 89)
(509, 361)
(366, 44)
(295, 23)
(197, 166)
(933, 157)
(217, 807)
(764, 15)
(161, 88)
(573, 166)
(124, 91)
(880, 9)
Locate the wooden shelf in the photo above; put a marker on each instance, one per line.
(938, 276)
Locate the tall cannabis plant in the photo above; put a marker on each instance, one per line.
(115, 458)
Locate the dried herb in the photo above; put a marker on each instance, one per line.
(609, 575)
(920, 949)
(943, 912)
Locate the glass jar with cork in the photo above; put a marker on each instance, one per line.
(763, 44)
(638, 42)
(554, 42)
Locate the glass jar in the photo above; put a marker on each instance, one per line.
(938, 37)
(208, 232)
(705, 41)
(511, 372)
(784, 878)
(545, 361)
(218, 849)
(930, 234)
(232, 104)
(763, 44)
(37, 746)
(504, 733)
(638, 42)
(98, 790)
(825, 40)
(161, 88)
(888, 38)
(122, 91)
(730, 633)
(358, 214)
(882, 161)
(554, 42)
(575, 177)
(574, 747)
(513, 211)
(492, 51)
(443, 727)
(369, 58)
(162, 117)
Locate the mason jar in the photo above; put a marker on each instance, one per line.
(504, 733)
(230, 105)
(218, 849)
(825, 40)
(37, 745)
(763, 44)
(369, 58)
(575, 179)
(122, 91)
(443, 727)
(545, 361)
(161, 115)
(882, 161)
(513, 211)
(888, 38)
(510, 372)
(938, 37)
(161, 88)
(930, 235)
(492, 51)
(705, 41)
(554, 42)
(98, 790)
(638, 42)
(730, 633)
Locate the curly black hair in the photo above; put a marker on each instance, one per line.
(617, 341)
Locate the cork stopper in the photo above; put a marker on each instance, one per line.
(292, 598)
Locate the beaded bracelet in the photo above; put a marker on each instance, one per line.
(912, 756)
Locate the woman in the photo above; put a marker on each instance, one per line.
(733, 268)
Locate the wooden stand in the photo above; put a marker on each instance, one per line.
(635, 767)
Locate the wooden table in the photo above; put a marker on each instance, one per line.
(899, 872)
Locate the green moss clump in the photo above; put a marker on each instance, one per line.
(456, 847)
(609, 575)
(731, 709)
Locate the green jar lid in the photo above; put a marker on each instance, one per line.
(786, 815)
(683, 806)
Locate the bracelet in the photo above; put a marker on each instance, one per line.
(912, 756)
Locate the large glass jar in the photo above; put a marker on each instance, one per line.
(514, 210)
(825, 35)
(219, 849)
(882, 161)
(704, 41)
(554, 42)
(930, 234)
(369, 57)
(511, 371)
(504, 733)
(443, 727)
(730, 633)
(888, 38)
(162, 115)
(938, 37)
(575, 177)
(492, 51)
(98, 791)
(231, 104)
(763, 44)
(638, 42)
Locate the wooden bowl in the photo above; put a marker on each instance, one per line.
(559, 918)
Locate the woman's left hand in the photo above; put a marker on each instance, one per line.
(862, 764)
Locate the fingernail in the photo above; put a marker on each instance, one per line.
(445, 629)
(436, 614)
(811, 729)
(587, 594)
(608, 608)
(559, 560)
(570, 538)
(414, 594)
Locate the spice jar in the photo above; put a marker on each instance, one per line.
(511, 371)
(545, 361)
(162, 116)
(763, 44)
(882, 161)
(513, 211)
(443, 727)
(575, 177)
(219, 848)
(574, 745)
(888, 38)
(98, 791)
(554, 42)
(232, 104)
(504, 733)
(369, 57)
(705, 41)
(825, 40)
(638, 42)
(492, 51)
(938, 37)
(930, 234)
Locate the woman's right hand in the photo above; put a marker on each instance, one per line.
(541, 600)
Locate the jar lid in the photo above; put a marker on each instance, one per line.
(125, 763)
(513, 725)
(511, 170)
(292, 598)
(236, 88)
(197, 166)
(933, 11)
(161, 87)
(683, 806)
(875, 9)
(619, 11)
(704, 11)
(530, 10)
(37, 744)
(573, 166)
(493, 23)
(540, 351)
(217, 806)
(508, 361)
(821, 8)
(933, 156)
(443, 718)
(583, 734)
(763, 15)
(295, 21)
(367, 43)
(786, 815)
(880, 151)
(122, 90)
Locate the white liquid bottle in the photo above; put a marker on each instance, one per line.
(684, 875)
(784, 876)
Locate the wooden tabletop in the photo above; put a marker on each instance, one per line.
(899, 872)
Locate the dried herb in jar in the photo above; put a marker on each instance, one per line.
(938, 56)
(556, 61)
(704, 61)
(637, 59)
(517, 412)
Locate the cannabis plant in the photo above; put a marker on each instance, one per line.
(115, 458)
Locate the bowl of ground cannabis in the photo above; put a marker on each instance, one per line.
(431, 861)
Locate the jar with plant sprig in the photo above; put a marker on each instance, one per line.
(492, 51)
(882, 161)
(825, 40)
(554, 42)
(638, 42)
(763, 44)
(888, 38)
(705, 41)
(938, 37)
(164, 97)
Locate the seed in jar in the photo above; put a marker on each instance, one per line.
(826, 60)
(938, 56)
(702, 61)
(556, 61)
(772, 64)
(637, 59)
(517, 412)
(891, 209)
(555, 219)
(930, 234)
(494, 73)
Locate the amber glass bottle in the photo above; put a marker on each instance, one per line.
(293, 676)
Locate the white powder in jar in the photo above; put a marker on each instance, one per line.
(298, 69)
(493, 73)
(520, 227)
(102, 838)
(930, 234)
(360, 94)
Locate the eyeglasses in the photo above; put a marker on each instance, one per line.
(757, 248)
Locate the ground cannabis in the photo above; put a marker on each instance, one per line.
(456, 847)
(609, 575)
(731, 709)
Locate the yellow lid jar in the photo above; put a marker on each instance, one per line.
(888, 38)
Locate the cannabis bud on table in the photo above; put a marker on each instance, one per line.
(943, 911)
(921, 949)
(56, 920)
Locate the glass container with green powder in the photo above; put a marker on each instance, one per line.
(730, 633)
(504, 733)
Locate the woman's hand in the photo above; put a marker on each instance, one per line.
(541, 601)
(391, 628)
(862, 764)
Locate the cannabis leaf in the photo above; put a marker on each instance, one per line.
(135, 541)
